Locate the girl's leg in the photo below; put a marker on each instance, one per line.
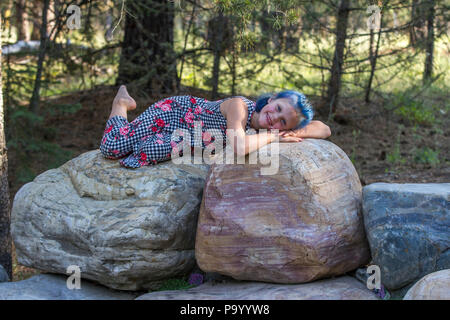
(116, 141)
(122, 103)
(156, 148)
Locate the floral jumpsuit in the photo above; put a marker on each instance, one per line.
(148, 140)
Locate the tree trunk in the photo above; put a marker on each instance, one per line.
(34, 102)
(148, 59)
(220, 39)
(36, 19)
(5, 217)
(418, 13)
(373, 56)
(429, 42)
(338, 57)
(21, 20)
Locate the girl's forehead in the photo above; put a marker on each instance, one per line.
(292, 101)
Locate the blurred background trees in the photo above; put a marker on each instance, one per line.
(390, 53)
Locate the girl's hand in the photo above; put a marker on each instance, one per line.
(288, 136)
(289, 133)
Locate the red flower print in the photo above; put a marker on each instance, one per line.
(193, 100)
(189, 117)
(160, 122)
(166, 107)
(143, 156)
(154, 129)
(108, 130)
(124, 131)
(198, 110)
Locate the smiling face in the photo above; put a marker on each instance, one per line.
(278, 114)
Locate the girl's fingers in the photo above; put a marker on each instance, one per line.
(291, 139)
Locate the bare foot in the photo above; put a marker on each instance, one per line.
(124, 100)
(122, 103)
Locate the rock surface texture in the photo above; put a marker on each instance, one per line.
(127, 229)
(434, 286)
(3, 274)
(298, 225)
(54, 287)
(408, 229)
(342, 288)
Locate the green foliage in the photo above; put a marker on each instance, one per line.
(64, 109)
(27, 137)
(175, 284)
(395, 156)
(427, 156)
(414, 109)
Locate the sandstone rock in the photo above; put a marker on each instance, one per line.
(434, 286)
(342, 288)
(299, 225)
(408, 229)
(54, 287)
(127, 229)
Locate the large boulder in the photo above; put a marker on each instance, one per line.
(298, 225)
(434, 286)
(127, 229)
(407, 226)
(341, 288)
(54, 287)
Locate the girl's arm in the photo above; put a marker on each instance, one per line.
(314, 129)
(236, 113)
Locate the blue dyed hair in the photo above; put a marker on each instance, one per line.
(298, 101)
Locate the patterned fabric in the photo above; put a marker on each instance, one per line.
(147, 139)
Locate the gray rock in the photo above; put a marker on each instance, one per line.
(342, 288)
(434, 286)
(408, 228)
(54, 287)
(3, 274)
(126, 229)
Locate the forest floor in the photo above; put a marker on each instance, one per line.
(380, 146)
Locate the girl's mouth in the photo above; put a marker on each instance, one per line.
(269, 121)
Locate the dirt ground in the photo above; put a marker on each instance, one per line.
(366, 138)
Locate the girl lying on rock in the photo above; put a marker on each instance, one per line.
(148, 139)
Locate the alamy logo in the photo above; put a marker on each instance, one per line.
(374, 281)
(214, 151)
(74, 21)
(374, 21)
(74, 280)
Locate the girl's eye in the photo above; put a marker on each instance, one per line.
(283, 122)
(279, 109)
